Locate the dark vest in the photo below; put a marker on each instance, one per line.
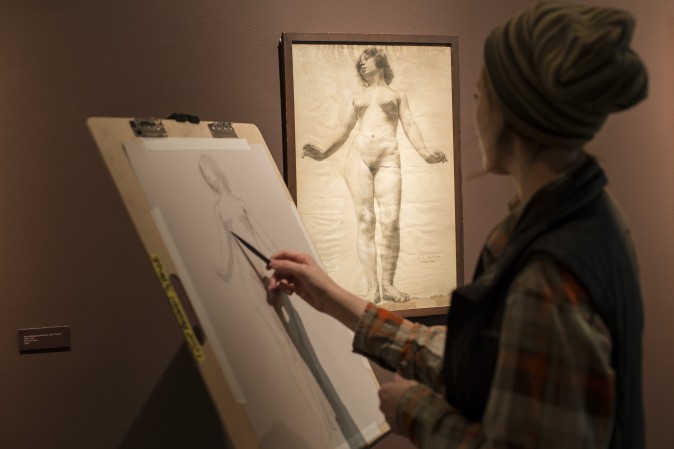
(574, 222)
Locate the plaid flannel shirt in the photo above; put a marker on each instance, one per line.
(553, 385)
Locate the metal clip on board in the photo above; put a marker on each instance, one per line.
(222, 129)
(148, 127)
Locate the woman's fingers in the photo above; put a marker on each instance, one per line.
(286, 265)
(287, 287)
(290, 263)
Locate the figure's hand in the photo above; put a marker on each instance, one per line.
(299, 273)
(435, 157)
(389, 399)
(313, 152)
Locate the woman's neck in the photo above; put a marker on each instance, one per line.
(532, 168)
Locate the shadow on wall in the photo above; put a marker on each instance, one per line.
(179, 412)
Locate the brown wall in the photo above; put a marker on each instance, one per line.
(69, 254)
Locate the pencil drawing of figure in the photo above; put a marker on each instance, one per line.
(372, 168)
(233, 215)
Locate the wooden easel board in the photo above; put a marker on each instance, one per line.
(283, 376)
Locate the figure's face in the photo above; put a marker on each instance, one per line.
(367, 65)
(212, 179)
(490, 124)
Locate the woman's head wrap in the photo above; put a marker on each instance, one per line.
(558, 70)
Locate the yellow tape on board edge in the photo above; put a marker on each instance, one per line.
(183, 322)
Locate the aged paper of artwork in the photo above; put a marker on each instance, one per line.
(325, 80)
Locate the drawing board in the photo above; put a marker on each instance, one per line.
(281, 374)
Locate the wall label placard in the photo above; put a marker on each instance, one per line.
(44, 339)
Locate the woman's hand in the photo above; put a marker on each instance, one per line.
(299, 273)
(390, 394)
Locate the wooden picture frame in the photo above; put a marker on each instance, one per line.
(372, 160)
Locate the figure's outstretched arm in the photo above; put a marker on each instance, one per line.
(347, 121)
(414, 135)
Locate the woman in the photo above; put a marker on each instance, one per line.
(372, 167)
(543, 349)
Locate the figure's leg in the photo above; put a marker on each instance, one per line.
(388, 191)
(360, 181)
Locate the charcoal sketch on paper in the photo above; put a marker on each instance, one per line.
(232, 215)
(397, 178)
(297, 380)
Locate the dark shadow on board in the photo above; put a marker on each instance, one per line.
(179, 412)
(430, 320)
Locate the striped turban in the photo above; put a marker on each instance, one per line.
(558, 70)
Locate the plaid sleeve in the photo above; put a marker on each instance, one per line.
(553, 386)
(413, 350)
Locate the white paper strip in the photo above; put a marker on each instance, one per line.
(194, 143)
(197, 304)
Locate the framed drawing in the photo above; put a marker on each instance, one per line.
(372, 159)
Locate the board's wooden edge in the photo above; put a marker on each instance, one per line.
(110, 134)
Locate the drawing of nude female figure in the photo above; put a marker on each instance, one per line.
(372, 167)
